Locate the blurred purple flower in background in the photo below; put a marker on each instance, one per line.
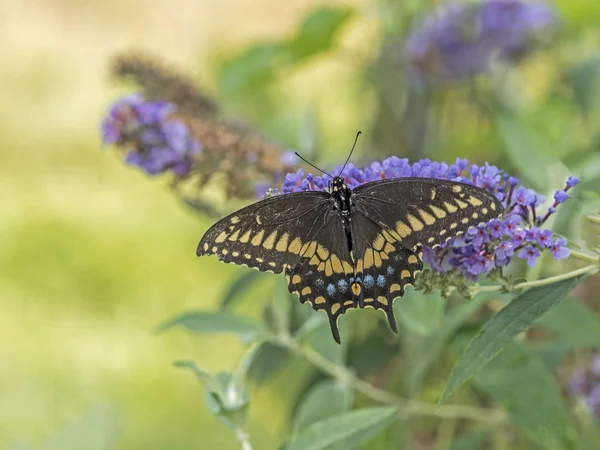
(153, 140)
(463, 39)
(586, 384)
(483, 247)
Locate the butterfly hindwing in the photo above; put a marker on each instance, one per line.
(268, 235)
(424, 211)
(383, 265)
(323, 274)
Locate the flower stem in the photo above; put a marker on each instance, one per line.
(405, 407)
(590, 270)
(585, 256)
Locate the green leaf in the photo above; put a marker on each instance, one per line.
(324, 399)
(526, 150)
(267, 362)
(584, 81)
(238, 387)
(215, 322)
(238, 286)
(253, 67)
(318, 31)
(321, 341)
(420, 312)
(552, 353)
(351, 425)
(472, 440)
(513, 319)
(210, 383)
(225, 393)
(519, 381)
(574, 323)
(282, 305)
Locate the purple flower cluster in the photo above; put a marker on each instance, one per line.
(153, 140)
(586, 383)
(484, 247)
(464, 39)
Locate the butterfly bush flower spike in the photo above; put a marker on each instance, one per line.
(153, 140)
(586, 385)
(519, 232)
(463, 39)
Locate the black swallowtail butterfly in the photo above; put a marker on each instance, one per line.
(345, 247)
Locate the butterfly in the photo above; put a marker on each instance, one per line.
(345, 248)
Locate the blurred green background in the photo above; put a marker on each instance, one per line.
(93, 256)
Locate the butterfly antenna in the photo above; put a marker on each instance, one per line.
(312, 165)
(353, 145)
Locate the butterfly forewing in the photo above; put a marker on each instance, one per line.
(424, 211)
(268, 235)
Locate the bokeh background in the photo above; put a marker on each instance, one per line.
(94, 255)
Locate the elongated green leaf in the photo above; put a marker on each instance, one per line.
(282, 305)
(350, 425)
(584, 81)
(325, 399)
(513, 319)
(552, 353)
(519, 381)
(320, 340)
(238, 386)
(253, 67)
(421, 313)
(526, 150)
(210, 383)
(215, 322)
(318, 31)
(574, 323)
(267, 362)
(237, 287)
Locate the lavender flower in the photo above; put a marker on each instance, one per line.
(153, 140)
(464, 39)
(482, 248)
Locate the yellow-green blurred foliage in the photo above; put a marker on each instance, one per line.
(92, 254)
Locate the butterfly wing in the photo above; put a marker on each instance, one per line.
(383, 265)
(393, 219)
(268, 235)
(299, 233)
(324, 274)
(425, 211)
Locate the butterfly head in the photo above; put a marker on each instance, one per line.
(338, 184)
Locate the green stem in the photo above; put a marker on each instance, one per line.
(590, 270)
(585, 256)
(405, 407)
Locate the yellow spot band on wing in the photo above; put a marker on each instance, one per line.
(269, 242)
(257, 239)
(439, 212)
(415, 223)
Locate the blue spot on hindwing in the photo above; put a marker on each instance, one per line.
(381, 281)
(342, 285)
(331, 289)
(319, 282)
(390, 270)
(369, 281)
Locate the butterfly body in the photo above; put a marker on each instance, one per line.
(347, 248)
